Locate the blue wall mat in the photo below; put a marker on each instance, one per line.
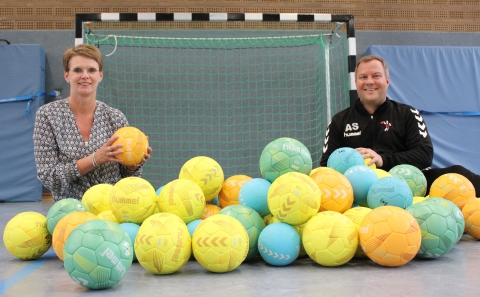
(440, 79)
(22, 76)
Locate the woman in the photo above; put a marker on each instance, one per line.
(73, 137)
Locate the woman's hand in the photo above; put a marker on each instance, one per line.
(108, 152)
(144, 160)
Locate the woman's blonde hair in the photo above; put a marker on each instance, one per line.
(85, 50)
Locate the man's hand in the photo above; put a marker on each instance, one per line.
(369, 153)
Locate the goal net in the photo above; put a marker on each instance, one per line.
(222, 92)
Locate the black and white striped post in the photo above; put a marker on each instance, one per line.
(233, 17)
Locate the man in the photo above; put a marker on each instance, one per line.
(388, 132)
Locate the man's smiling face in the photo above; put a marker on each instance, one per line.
(372, 83)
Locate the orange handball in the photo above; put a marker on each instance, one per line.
(314, 170)
(228, 195)
(454, 187)
(210, 210)
(134, 145)
(471, 214)
(337, 192)
(390, 236)
(65, 226)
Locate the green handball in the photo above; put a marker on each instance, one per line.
(251, 220)
(98, 254)
(413, 176)
(284, 155)
(438, 226)
(454, 210)
(60, 209)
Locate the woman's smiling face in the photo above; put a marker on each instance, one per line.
(83, 76)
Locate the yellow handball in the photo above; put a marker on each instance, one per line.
(356, 215)
(294, 198)
(183, 198)
(206, 173)
(163, 244)
(330, 238)
(220, 243)
(367, 160)
(133, 200)
(108, 215)
(299, 229)
(417, 199)
(26, 235)
(97, 198)
(270, 219)
(134, 145)
(381, 173)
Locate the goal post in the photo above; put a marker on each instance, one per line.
(223, 85)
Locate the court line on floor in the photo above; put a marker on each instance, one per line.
(24, 272)
(15, 210)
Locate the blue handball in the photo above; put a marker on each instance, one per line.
(361, 178)
(214, 201)
(392, 191)
(254, 194)
(132, 231)
(159, 190)
(343, 158)
(279, 244)
(192, 226)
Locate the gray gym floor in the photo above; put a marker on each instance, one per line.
(455, 274)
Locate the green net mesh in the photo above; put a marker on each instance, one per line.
(224, 94)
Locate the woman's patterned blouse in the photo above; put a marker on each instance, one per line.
(58, 145)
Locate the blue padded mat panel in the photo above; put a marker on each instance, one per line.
(440, 79)
(23, 73)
